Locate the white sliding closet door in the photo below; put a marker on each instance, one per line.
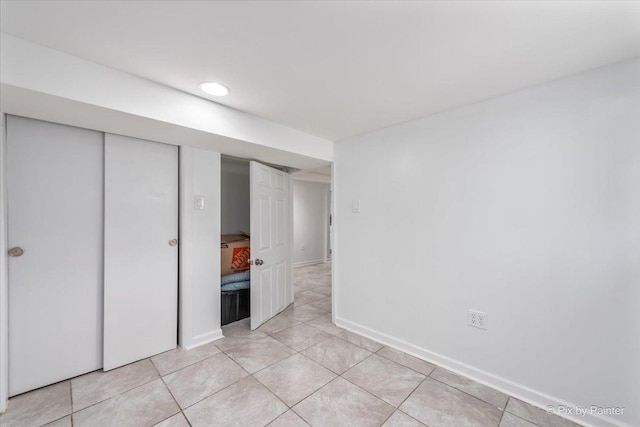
(141, 255)
(55, 181)
(271, 230)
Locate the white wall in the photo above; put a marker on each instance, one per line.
(199, 248)
(527, 207)
(310, 222)
(235, 204)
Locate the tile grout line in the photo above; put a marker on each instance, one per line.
(290, 408)
(185, 366)
(518, 416)
(309, 346)
(406, 398)
(71, 401)
(395, 408)
(469, 394)
(269, 365)
(359, 362)
(502, 414)
(399, 410)
(274, 395)
(223, 388)
(409, 367)
(297, 352)
(282, 415)
(314, 391)
(117, 394)
(248, 375)
(357, 345)
(171, 394)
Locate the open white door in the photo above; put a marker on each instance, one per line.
(141, 253)
(270, 242)
(55, 270)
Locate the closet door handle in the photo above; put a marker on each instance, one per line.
(16, 252)
(173, 242)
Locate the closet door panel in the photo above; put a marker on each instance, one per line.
(55, 210)
(141, 258)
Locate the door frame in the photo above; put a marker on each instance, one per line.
(4, 275)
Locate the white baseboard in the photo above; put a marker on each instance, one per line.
(501, 384)
(307, 263)
(203, 339)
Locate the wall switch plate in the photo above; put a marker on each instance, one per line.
(355, 206)
(477, 319)
(198, 203)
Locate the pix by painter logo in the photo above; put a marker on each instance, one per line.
(582, 411)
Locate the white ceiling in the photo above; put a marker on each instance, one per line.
(336, 69)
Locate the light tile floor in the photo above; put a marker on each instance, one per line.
(297, 369)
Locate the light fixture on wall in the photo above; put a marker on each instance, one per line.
(215, 89)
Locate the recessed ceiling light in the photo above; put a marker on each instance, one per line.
(215, 89)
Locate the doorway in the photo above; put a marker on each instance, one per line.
(256, 242)
(312, 219)
(312, 277)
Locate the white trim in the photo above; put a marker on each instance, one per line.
(185, 295)
(200, 340)
(333, 232)
(327, 216)
(519, 391)
(4, 275)
(289, 288)
(307, 263)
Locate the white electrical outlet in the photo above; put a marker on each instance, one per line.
(477, 319)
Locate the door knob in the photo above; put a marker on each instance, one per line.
(259, 262)
(16, 252)
(173, 242)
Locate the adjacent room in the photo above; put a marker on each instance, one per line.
(319, 213)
